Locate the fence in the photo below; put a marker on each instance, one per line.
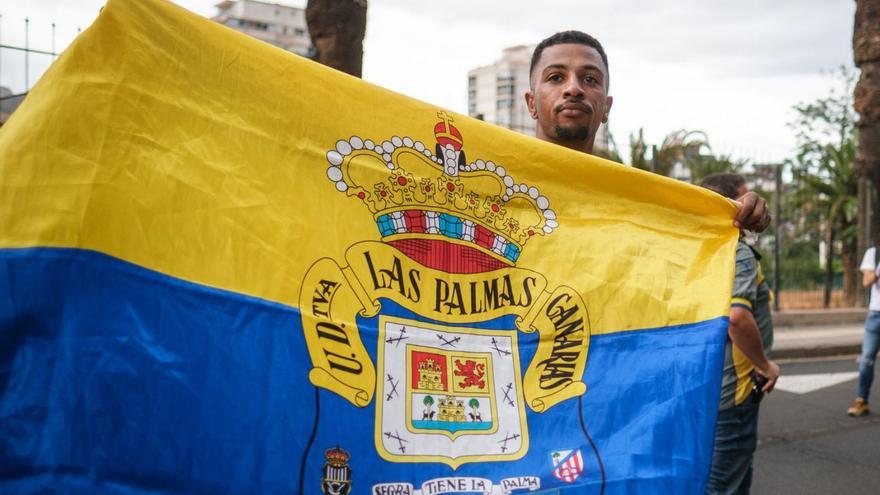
(21, 64)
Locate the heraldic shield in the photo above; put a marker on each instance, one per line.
(462, 394)
(447, 302)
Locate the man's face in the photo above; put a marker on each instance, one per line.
(568, 95)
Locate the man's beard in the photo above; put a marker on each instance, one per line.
(577, 134)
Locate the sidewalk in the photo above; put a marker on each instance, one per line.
(814, 333)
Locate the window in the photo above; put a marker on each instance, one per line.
(262, 26)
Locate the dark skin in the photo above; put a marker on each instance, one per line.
(569, 99)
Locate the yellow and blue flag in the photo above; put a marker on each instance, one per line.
(227, 269)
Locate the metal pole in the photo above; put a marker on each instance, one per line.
(777, 241)
(26, 51)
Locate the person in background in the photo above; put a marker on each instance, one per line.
(748, 373)
(871, 340)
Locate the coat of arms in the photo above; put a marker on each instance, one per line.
(336, 479)
(447, 379)
(460, 394)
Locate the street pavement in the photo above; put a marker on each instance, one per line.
(817, 340)
(807, 444)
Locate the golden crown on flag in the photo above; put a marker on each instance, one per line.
(412, 191)
(337, 457)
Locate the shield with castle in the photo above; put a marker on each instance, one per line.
(447, 380)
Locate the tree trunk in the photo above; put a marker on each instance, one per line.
(829, 262)
(337, 29)
(866, 54)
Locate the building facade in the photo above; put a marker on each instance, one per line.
(496, 93)
(8, 103)
(279, 25)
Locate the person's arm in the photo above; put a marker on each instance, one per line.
(743, 332)
(753, 214)
(868, 278)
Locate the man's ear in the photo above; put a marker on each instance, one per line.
(530, 104)
(608, 101)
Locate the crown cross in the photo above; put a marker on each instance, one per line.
(446, 121)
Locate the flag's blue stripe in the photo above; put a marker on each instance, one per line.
(118, 379)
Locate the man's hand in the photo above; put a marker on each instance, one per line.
(771, 373)
(753, 214)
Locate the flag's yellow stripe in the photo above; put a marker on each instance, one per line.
(175, 143)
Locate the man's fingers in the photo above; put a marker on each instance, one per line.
(746, 206)
(768, 220)
(753, 214)
(772, 374)
(758, 215)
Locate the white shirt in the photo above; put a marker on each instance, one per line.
(869, 263)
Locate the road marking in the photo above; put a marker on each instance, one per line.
(804, 384)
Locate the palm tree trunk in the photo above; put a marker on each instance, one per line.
(866, 54)
(829, 262)
(337, 29)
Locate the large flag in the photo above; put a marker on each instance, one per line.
(227, 269)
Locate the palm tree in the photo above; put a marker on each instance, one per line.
(825, 174)
(832, 190)
(707, 164)
(475, 404)
(611, 152)
(337, 29)
(638, 151)
(428, 401)
(677, 148)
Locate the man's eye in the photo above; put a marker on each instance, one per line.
(554, 77)
(591, 80)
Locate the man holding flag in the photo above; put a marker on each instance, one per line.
(359, 295)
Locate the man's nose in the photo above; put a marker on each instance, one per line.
(573, 87)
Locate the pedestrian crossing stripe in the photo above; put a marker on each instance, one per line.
(804, 384)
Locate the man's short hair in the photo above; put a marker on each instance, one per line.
(725, 184)
(570, 37)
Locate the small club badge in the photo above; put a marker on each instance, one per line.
(337, 473)
(568, 465)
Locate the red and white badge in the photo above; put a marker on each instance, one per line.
(568, 465)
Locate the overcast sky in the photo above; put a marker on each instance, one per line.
(730, 68)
